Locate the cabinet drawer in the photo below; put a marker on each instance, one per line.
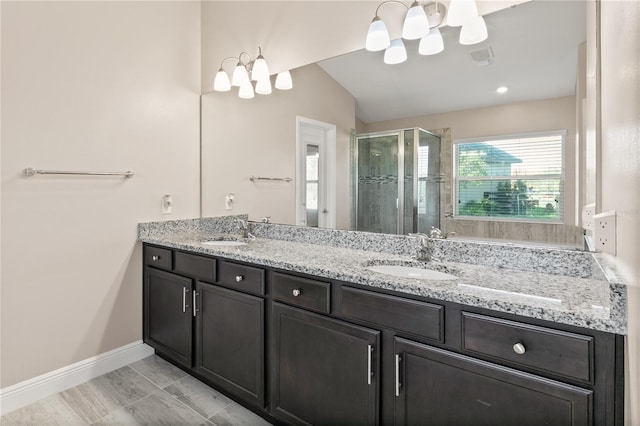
(157, 257)
(301, 292)
(241, 277)
(421, 319)
(558, 352)
(195, 266)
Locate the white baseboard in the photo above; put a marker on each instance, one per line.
(32, 390)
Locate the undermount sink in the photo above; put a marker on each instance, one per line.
(411, 272)
(227, 243)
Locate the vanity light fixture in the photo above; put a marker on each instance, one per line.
(246, 72)
(502, 89)
(423, 22)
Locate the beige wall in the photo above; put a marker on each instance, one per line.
(620, 159)
(525, 117)
(243, 137)
(89, 86)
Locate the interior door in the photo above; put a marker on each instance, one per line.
(315, 174)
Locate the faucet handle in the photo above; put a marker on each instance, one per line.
(435, 232)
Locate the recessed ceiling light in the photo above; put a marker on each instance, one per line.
(502, 89)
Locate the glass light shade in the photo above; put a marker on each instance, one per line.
(240, 75)
(377, 36)
(461, 11)
(260, 70)
(432, 43)
(246, 90)
(395, 53)
(283, 81)
(221, 83)
(263, 87)
(416, 24)
(474, 31)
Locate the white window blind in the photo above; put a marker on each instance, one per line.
(518, 178)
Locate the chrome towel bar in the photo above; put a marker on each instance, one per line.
(255, 178)
(30, 171)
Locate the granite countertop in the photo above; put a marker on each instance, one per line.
(591, 302)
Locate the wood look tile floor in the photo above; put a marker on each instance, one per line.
(148, 392)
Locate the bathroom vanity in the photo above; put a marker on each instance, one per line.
(308, 334)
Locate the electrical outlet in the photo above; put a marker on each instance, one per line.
(588, 212)
(604, 232)
(166, 204)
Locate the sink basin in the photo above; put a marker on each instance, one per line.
(224, 243)
(411, 272)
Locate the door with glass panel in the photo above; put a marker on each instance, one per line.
(315, 174)
(397, 181)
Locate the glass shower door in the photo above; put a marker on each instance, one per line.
(377, 209)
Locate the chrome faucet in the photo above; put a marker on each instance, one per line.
(436, 233)
(425, 247)
(243, 227)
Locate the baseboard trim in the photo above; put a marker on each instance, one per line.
(32, 390)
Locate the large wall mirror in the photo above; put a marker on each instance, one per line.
(536, 49)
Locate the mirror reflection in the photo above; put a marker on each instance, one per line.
(534, 50)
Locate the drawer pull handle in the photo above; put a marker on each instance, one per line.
(519, 348)
(296, 292)
(239, 278)
(155, 258)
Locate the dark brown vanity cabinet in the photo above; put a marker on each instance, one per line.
(230, 341)
(215, 332)
(337, 353)
(168, 315)
(439, 387)
(325, 371)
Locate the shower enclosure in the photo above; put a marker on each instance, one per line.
(396, 179)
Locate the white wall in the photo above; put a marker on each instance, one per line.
(244, 137)
(620, 159)
(89, 86)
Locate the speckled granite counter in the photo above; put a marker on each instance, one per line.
(593, 302)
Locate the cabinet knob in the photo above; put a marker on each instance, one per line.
(519, 348)
(154, 258)
(239, 278)
(296, 292)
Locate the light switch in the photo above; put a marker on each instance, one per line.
(166, 204)
(228, 201)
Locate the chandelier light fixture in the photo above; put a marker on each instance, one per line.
(246, 72)
(423, 22)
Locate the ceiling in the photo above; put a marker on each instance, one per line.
(535, 48)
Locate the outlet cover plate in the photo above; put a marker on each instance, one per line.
(604, 232)
(588, 211)
(166, 204)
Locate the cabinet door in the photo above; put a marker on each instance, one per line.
(229, 343)
(325, 371)
(437, 387)
(167, 314)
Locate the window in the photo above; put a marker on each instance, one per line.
(514, 178)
